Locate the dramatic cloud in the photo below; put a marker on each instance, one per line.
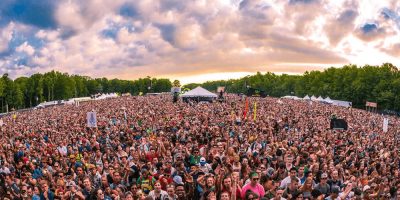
(173, 38)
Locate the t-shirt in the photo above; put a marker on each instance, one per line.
(324, 189)
(258, 189)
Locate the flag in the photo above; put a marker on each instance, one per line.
(246, 108)
(385, 124)
(255, 111)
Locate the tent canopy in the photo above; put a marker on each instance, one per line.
(313, 98)
(199, 92)
(328, 100)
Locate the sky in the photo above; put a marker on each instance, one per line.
(195, 40)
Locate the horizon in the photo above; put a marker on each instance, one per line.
(195, 41)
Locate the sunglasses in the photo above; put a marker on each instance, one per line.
(256, 179)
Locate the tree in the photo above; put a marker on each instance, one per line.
(176, 83)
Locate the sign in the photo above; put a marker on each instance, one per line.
(371, 104)
(385, 124)
(339, 124)
(175, 90)
(91, 119)
(221, 89)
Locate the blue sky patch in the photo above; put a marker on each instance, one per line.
(167, 32)
(39, 13)
(369, 27)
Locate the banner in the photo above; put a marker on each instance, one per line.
(175, 90)
(385, 124)
(371, 104)
(91, 119)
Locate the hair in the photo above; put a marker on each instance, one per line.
(208, 192)
(253, 173)
(225, 191)
(293, 169)
(249, 192)
(264, 179)
(295, 179)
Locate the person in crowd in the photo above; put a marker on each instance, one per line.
(154, 148)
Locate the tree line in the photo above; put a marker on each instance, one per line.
(25, 92)
(379, 84)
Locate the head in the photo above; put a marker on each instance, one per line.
(171, 190)
(225, 195)
(210, 195)
(324, 178)
(227, 181)
(254, 177)
(293, 172)
(294, 183)
(157, 186)
(180, 191)
(250, 195)
(100, 194)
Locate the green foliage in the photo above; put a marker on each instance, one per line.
(379, 84)
(26, 92)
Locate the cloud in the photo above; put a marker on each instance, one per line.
(371, 32)
(26, 48)
(5, 37)
(393, 50)
(389, 14)
(167, 32)
(338, 28)
(172, 38)
(302, 1)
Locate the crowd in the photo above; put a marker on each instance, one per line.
(151, 148)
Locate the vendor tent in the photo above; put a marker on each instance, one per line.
(313, 98)
(328, 100)
(199, 94)
(320, 98)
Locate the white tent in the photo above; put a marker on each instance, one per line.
(306, 97)
(341, 103)
(313, 98)
(199, 92)
(328, 100)
(320, 98)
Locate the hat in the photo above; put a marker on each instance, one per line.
(72, 156)
(124, 154)
(70, 183)
(177, 180)
(202, 159)
(324, 175)
(367, 187)
(270, 171)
